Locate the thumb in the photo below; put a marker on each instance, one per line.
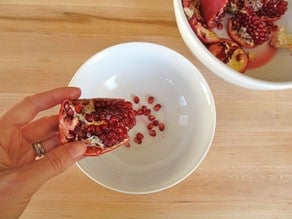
(54, 163)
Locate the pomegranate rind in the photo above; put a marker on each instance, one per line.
(212, 11)
(230, 53)
(204, 34)
(101, 123)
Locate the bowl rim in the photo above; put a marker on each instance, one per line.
(207, 91)
(206, 58)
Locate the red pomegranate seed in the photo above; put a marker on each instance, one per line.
(161, 126)
(139, 135)
(155, 122)
(78, 108)
(151, 117)
(144, 108)
(138, 140)
(150, 126)
(157, 107)
(136, 99)
(150, 99)
(147, 112)
(152, 133)
(139, 112)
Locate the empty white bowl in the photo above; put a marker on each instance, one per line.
(275, 75)
(188, 112)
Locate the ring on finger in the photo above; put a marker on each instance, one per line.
(39, 150)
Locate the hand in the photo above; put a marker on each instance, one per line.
(20, 174)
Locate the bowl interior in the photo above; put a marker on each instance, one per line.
(188, 112)
(274, 74)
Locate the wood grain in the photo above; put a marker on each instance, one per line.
(246, 174)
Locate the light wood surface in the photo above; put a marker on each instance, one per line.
(247, 172)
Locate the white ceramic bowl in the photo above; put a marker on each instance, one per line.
(188, 112)
(275, 75)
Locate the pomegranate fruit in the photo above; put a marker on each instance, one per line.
(267, 10)
(248, 30)
(205, 35)
(213, 11)
(102, 123)
(230, 53)
(197, 22)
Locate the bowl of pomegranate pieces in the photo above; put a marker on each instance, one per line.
(247, 43)
(146, 114)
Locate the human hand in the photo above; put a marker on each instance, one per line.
(20, 174)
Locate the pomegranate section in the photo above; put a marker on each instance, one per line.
(101, 123)
(248, 30)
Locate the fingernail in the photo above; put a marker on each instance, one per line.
(77, 150)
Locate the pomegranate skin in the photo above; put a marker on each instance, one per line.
(212, 11)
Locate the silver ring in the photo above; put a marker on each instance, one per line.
(39, 150)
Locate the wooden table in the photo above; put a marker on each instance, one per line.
(247, 172)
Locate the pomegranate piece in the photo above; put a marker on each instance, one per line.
(249, 30)
(230, 53)
(213, 11)
(192, 9)
(267, 10)
(204, 34)
(102, 123)
(282, 39)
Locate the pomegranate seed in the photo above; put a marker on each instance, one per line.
(157, 107)
(155, 122)
(138, 140)
(220, 26)
(150, 126)
(239, 57)
(78, 108)
(139, 136)
(144, 108)
(150, 99)
(139, 112)
(147, 112)
(152, 133)
(151, 117)
(136, 99)
(161, 126)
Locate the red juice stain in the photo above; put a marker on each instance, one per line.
(262, 55)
